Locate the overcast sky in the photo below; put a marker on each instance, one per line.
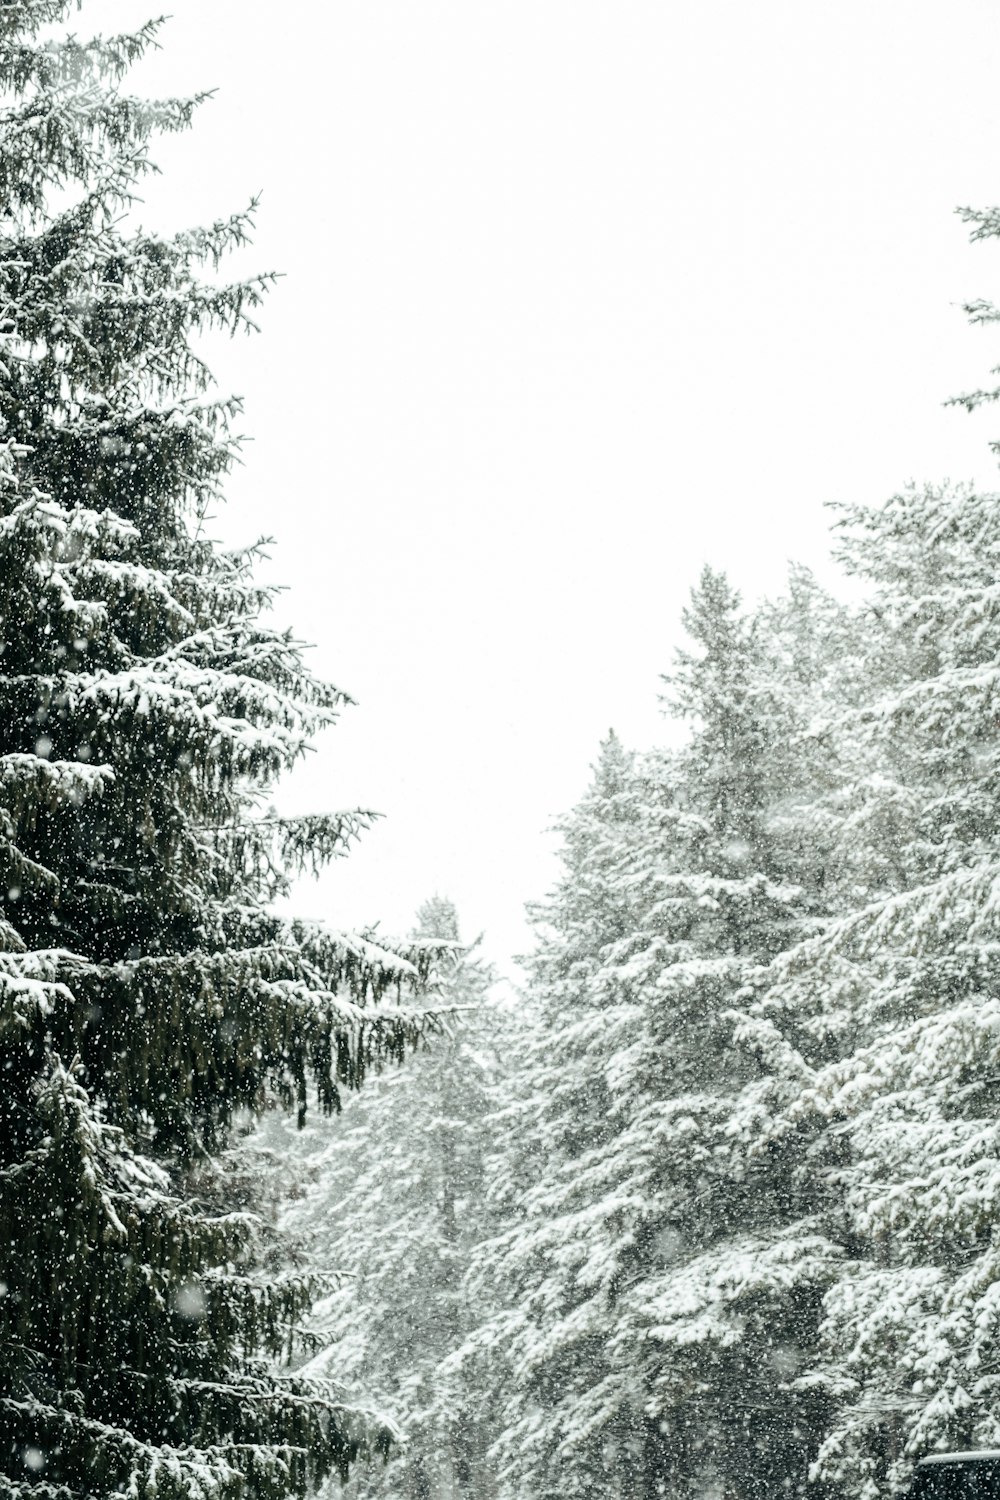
(578, 296)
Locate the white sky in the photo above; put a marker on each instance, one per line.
(578, 296)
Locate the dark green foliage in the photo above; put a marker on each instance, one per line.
(149, 998)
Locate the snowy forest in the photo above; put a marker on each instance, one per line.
(708, 1207)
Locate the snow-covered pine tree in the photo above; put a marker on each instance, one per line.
(719, 1275)
(540, 1347)
(394, 1205)
(657, 1285)
(898, 1087)
(881, 1027)
(147, 995)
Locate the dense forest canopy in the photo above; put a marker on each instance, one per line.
(709, 1208)
(733, 1225)
(736, 1228)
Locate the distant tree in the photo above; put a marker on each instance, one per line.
(392, 1209)
(148, 995)
(540, 1348)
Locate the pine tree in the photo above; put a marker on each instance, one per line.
(723, 1266)
(659, 1281)
(901, 1105)
(539, 1350)
(148, 997)
(392, 1209)
(882, 1024)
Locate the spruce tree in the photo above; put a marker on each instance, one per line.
(901, 1106)
(391, 1208)
(540, 1351)
(881, 1027)
(660, 1281)
(720, 1273)
(148, 997)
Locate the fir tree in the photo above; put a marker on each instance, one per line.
(902, 1113)
(148, 998)
(392, 1209)
(657, 1284)
(541, 1352)
(721, 1270)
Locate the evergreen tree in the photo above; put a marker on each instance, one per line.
(540, 1350)
(660, 1281)
(148, 998)
(902, 1108)
(392, 1209)
(723, 1266)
